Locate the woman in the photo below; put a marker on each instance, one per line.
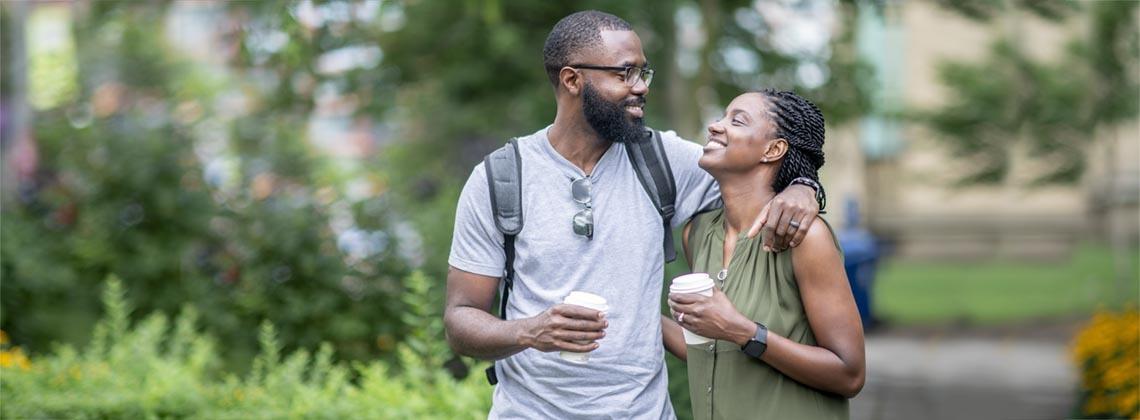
(787, 340)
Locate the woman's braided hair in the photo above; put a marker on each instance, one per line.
(799, 122)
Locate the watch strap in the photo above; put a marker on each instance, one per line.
(820, 196)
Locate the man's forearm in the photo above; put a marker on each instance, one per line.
(475, 333)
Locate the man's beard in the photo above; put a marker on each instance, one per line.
(609, 119)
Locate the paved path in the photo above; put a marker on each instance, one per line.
(989, 375)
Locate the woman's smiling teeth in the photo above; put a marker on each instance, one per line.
(715, 144)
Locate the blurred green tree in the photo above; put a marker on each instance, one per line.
(1055, 110)
(152, 173)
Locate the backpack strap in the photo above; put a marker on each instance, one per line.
(504, 181)
(652, 168)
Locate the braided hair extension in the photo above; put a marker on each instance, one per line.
(799, 122)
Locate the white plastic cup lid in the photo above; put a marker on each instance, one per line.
(691, 283)
(586, 299)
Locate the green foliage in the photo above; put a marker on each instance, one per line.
(426, 340)
(126, 372)
(153, 174)
(149, 371)
(985, 10)
(679, 387)
(844, 96)
(974, 9)
(1053, 109)
(7, 26)
(114, 202)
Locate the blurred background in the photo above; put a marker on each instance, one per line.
(232, 209)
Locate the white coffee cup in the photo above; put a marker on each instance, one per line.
(587, 300)
(696, 283)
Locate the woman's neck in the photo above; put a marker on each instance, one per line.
(744, 194)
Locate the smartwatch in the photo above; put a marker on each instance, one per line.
(759, 342)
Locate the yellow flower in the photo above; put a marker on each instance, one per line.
(1108, 352)
(14, 357)
(1120, 375)
(1128, 402)
(1096, 404)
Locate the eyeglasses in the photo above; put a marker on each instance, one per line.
(631, 74)
(584, 220)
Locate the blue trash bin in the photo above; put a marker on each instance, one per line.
(860, 258)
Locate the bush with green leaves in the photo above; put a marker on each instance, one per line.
(152, 369)
(145, 173)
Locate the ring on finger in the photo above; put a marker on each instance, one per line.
(794, 224)
(681, 317)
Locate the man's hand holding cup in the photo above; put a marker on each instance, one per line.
(572, 327)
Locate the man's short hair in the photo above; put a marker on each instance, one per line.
(575, 33)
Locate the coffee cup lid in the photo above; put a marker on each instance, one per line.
(690, 283)
(586, 299)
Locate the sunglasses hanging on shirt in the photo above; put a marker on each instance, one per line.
(583, 220)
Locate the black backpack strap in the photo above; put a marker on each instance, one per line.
(504, 181)
(652, 168)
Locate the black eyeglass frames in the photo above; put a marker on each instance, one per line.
(631, 74)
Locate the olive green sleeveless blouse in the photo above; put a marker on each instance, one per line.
(724, 383)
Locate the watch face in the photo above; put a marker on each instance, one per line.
(754, 348)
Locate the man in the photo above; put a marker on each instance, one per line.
(600, 76)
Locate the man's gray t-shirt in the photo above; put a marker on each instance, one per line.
(626, 376)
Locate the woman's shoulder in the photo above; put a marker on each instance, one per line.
(820, 237)
(817, 257)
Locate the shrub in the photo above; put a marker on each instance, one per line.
(152, 369)
(151, 172)
(1108, 354)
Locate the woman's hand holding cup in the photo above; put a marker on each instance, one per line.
(711, 316)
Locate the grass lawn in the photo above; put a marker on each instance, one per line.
(996, 292)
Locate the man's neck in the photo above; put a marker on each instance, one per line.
(576, 141)
(745, 194)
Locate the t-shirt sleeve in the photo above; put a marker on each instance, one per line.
(697, 191)
(476, 244)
